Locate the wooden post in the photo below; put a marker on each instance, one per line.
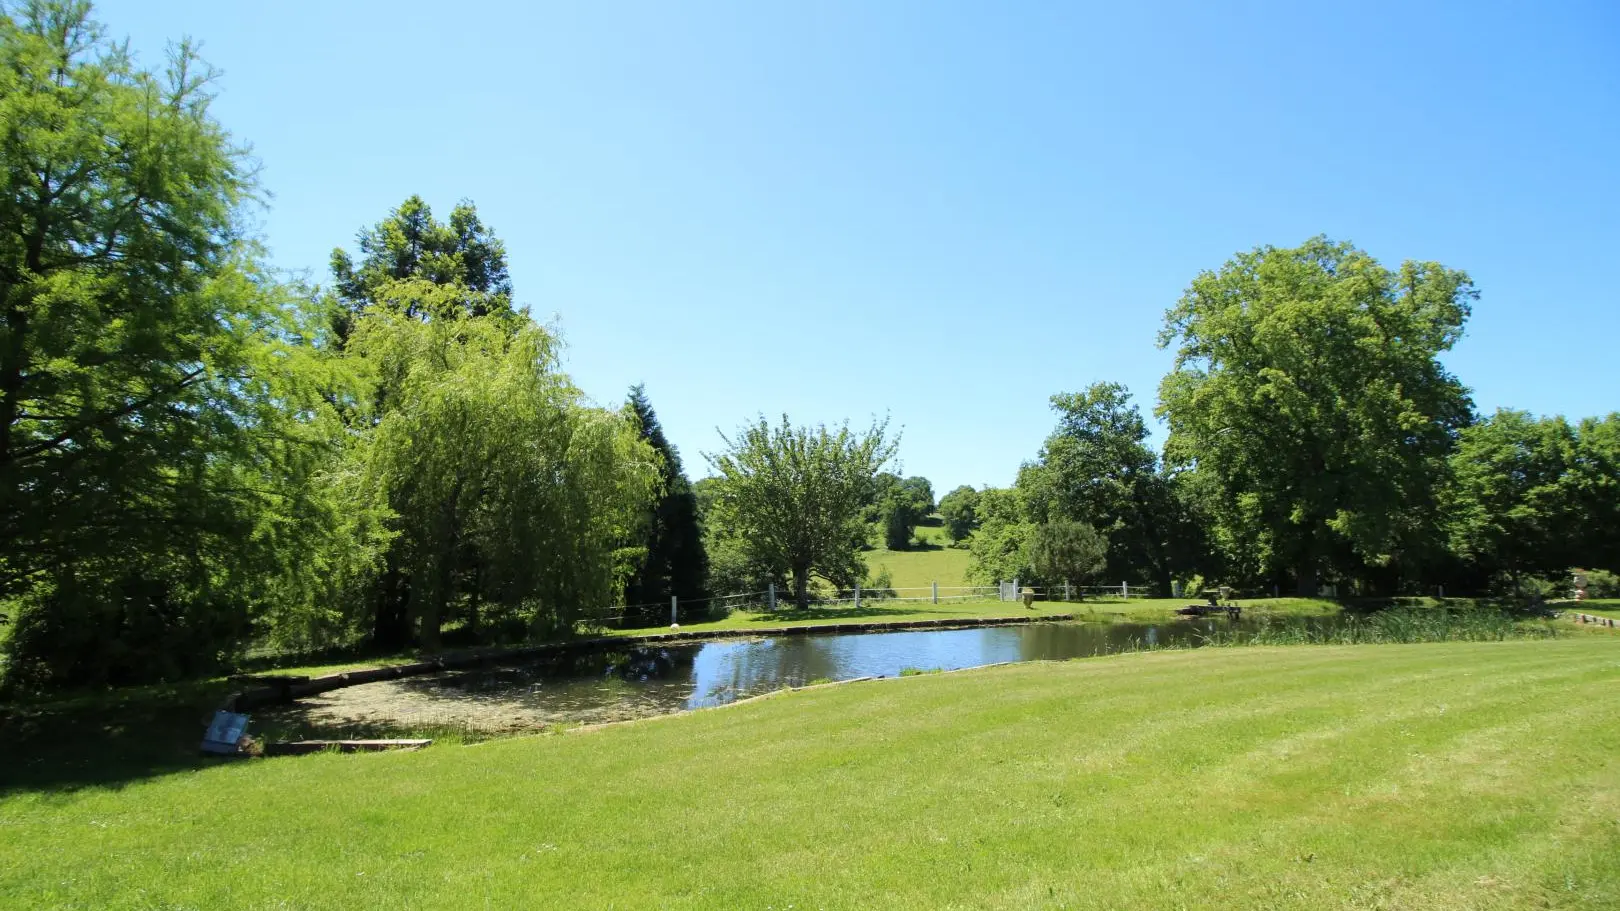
(1442, 590)
(1125, 590)
(770, 594)
(672, 610)
(857, 596)
(1066, 590)
(936, 592)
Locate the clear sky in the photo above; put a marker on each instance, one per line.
(941, 212)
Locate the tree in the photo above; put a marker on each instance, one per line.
(675, 562)
(509, 490)
(1594, 484)
(959, 509)
(1067, 551)
(919, 493)
(791, 497)
(1096, 467)
(1307, 385)
(898, 506)
(1533, 497)
(999, 549)
(163, 411)
(411, 244)
(416, 267)
(899, 519)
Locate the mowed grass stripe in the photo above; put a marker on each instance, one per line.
(1449, 775)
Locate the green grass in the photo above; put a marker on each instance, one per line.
(1102, 610)
(870, 611)
(1459, 775)
(1600, 607)
(918, 569)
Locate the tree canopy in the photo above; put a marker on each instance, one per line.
(1307, 383)
(791, 497)
(959, 509)
(670, 558)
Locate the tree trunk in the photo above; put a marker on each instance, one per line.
(801, 586)
(391, 625)
(1305, 576)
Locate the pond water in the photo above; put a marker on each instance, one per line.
(664, 678)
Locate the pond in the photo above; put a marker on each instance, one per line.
(664, 678)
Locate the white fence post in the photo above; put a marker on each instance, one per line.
(770, 594)
(936, 592)
(857, 596)
(1125, 590)
(1442, 593)
(1066, 591)
(672, 610)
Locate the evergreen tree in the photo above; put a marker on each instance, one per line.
(675, 561)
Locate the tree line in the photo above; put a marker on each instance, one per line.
(1314, 437)
(202, 455)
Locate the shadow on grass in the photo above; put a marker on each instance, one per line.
(106, 739)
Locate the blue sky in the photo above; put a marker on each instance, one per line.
(940, 212)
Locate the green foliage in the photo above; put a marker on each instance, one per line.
(1097, 468)
(1063, 550)
(411, 244)
(791, 499)
(1535, 496)
(879, 585)
(898, 518)
(1396, 626)
(489, 456)
(896, 506)
(1509, 510)
(672, 559)
(959, 509)
(1000, 548)
(165, 418)
(1600, 583)
(1307, 385)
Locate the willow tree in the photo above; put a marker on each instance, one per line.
(791, 498)
(162, 415)
(1308, 386)
(486, 447)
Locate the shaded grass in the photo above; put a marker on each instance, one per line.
(1477, 775)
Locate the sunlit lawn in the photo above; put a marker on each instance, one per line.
(1421, 776)
(916, 570)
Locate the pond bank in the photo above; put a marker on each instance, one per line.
(296, 688)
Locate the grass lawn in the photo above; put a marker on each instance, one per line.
(1601, 607)
(1421, 776)
(917, 569)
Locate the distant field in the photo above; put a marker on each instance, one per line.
(1456, 776)
(920, 568)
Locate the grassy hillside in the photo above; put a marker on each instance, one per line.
(932, 560)
(919, 568)
(1423, 776)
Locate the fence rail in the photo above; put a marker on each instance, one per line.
(772, 599)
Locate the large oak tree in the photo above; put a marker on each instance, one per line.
(1307, 381)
